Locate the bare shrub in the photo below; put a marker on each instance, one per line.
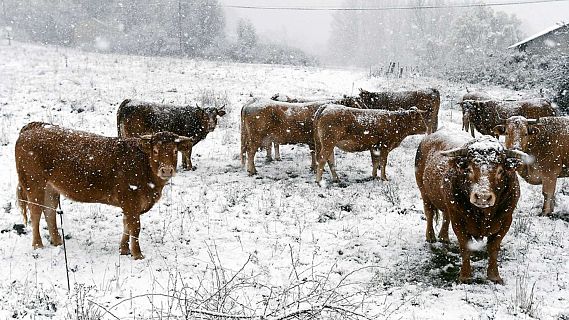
(523, 299)
(83, 308)
(222, 293)
(390, 191)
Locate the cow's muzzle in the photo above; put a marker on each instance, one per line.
(482, 199)
(166, 172)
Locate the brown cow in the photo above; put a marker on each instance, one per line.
(286, 98)
(264, 121)
(474, 184)
(348, 101)
(485, 115)
(85, 167)
(138, 118)
(356, 130)
(471, 96)
(428, 100)
(547, 141)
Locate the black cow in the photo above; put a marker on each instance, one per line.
(137, 118)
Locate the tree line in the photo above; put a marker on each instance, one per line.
(468, 44)
(191, 28)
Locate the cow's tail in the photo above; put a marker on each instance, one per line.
(317, 142)
(21, 199)
(121, 112)
(243, 153)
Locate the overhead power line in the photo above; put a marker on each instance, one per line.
(465, 5)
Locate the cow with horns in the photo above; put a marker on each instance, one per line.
(485, 115)
(474, 183)
(546, 140)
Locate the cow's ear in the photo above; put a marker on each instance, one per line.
(221, 111)
(533, 129)
(184, 143)
(500, 130)
(145, 144)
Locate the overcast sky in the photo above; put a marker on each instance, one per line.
(310, 30)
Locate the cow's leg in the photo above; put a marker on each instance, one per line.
(493, 246)
(383, 162)
(443, 233)
(51, 202)
(548, 191)
(187, 160)
(243, 153)
(322, 157)
(277, 152)
(332, 165)
(184, 160)
(36, 198)
(374, 162)
(124, 246)
(251, 151)
(313, 156)
(269, 148)
(465, 269)
(430, 212)
(132, 225)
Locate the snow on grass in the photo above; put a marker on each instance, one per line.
(223, 241)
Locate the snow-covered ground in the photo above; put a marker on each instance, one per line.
(271, 244)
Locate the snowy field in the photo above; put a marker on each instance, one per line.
(273, 244)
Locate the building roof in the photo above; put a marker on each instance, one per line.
(539, 34)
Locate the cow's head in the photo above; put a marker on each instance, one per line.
(484, 167)
(517, 129)
(210, 116)
(162, 150)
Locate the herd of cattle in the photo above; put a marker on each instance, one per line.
(472, 181)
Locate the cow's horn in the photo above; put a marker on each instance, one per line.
(458, 152)
(533, 121)
(184, 139)
(146, 137)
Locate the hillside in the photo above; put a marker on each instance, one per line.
(270, 244)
